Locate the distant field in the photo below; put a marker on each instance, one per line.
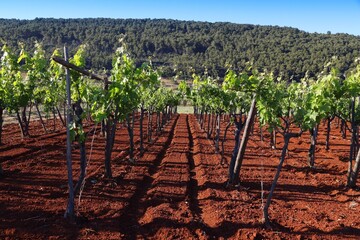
(185, 109)
(170, 83)
(11, 118)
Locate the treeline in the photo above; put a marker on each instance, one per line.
(183, 47)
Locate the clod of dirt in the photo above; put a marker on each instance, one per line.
(353, 204)
(342, 198)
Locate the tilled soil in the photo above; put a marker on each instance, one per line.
(176, 189)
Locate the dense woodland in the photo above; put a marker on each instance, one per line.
(181, 47)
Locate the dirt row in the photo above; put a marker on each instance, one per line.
(176, 189)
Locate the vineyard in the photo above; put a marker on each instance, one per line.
(109, 157)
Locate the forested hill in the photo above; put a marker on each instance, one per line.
(183, 45)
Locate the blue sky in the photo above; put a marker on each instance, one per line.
(309, 15)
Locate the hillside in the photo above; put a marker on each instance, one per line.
(181, 47)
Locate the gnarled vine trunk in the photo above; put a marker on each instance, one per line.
(26, 120)
(110, 139)
(201, 119)
(83, 161)
(240, 156)
(23, 121)
(61, 118)
(208, 125)
(22, 130)
(268, 201)
(40, 117)
(142, 111)
(217, 137)
(311, 152)
(150, 125)
(343, 128)
(158, 123)
(224, 139)
(355, 172)
(239, 125)
(287, 137)
(328, 129)
(130, 129)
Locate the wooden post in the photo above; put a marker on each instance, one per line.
(69, 213)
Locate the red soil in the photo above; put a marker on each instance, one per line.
(176, 190)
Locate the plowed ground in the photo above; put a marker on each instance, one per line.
(176, 190)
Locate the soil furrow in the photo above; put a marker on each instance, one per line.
(129, 219)
(193, 183)
(200, 228)
(166, 200)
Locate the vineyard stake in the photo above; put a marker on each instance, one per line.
(69, 213)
